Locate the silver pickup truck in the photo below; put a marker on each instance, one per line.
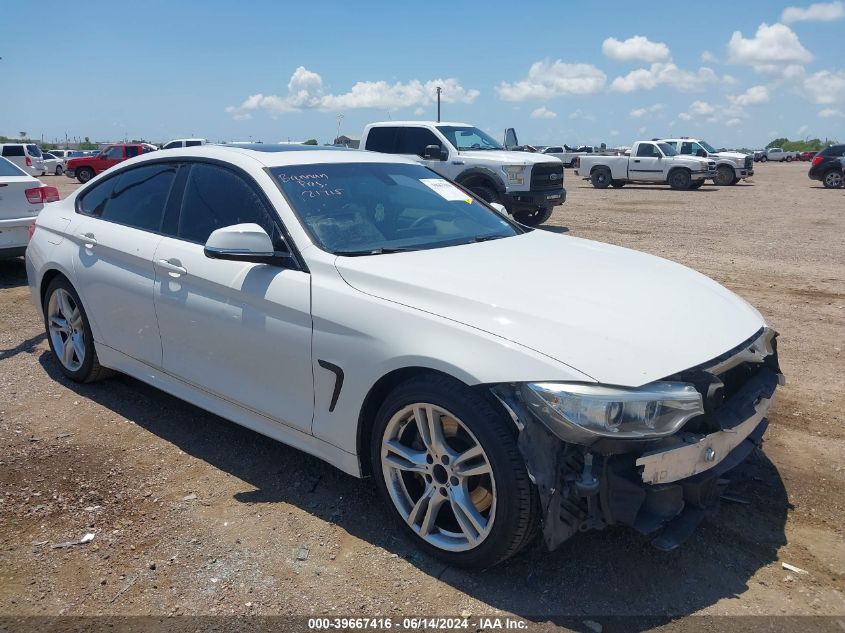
(648, 162)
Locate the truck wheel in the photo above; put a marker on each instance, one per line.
(789, 159)
(618, 184)
(601, 178)
(533, 218)
(724, 176)
(680, 179)
(485, 193)
(84, 174)
(764, 159)
(736, 180)
(697, 184)
(832, 180)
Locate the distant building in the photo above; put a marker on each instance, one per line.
(347, 142)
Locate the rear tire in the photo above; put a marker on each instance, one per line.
(533, 218)
(84, 174)
(833, 179)
(69, 333)
(601, 178)
(680, 179)
(724, 176)
(415, 468)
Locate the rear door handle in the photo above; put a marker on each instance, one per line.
(88, 239)
(173, 267)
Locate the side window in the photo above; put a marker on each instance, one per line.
(381, 139)
(131, 150)
(13, 150)
(216, 197)
(646, 150)
(686, 148)
(95, 199)
(172, 144)
(139, 197)
(193, 143)
(113, 152)
(413, 140)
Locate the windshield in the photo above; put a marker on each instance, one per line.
(710, 149)
(376, 208)
(8, 168)
(668, 149)
(467, 137)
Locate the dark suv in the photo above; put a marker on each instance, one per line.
(828, 165)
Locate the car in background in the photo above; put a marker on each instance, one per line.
(567, 154)
(22, 198)
(758, 155)
(731, 167)
(85, 168)
(66, 154)
(827, 166)
(806, 156)
(53, 164)
(362, 308)
(184, 142)
(27, 156)
(779, 155)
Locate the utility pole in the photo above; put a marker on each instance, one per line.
(339, 119)
(439, 90)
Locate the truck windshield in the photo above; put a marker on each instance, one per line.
(708, 147)
(668, 149)
(377, 208)
(466, 137)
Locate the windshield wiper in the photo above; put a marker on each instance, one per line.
(376, 251)
(486, 238)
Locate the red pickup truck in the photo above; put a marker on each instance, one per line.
(85, 168)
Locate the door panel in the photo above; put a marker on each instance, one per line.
(237, 329)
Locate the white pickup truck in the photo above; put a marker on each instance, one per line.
(731, 167)
(528, 185)
(647, 162)
(779, 154)
(567, 154)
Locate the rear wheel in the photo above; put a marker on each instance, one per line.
(618, 184)
(601, 178)
(724, 176)
(533, 218)
(680, 179)
(84, 174)
(789, 159)
(69, 333)
(448, 465)
(832, 180)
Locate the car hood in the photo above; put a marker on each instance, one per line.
(731, 155)
(620, 316)
(506, 157)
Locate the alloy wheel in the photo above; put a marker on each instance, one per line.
(66, 328)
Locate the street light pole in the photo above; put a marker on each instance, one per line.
(439, 90)
(339, 119)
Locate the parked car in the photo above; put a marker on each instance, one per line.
(355, 305)
(567, 154)
(808, 156)
(184, 142)
(27, 156)
(779, 154)
(731, 167)
(758, 155)
(85, 168)
(654, 162)
(527, 184)
(22, 197)
(827, 166)
(53, 164)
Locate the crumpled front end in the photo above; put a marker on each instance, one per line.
(660, 487)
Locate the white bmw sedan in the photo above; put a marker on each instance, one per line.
(493, 380)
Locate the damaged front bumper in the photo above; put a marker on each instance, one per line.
(661, 487)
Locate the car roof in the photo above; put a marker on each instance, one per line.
(407, 123)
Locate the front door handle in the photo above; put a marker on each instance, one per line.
(88, 239)
(637, 160)
(173, 267)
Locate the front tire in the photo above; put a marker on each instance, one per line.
(449, 467)
(69, 333)
(600, 178)
(789, 159)
(84, 174)
(680, 179)
(724, 176)
(485, 193)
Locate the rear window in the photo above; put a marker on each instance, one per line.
(33, 150)
(381, 139)
(8, 168)
(193, 143)
(13, 150)
(833, 150)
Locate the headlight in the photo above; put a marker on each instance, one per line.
(584, 413)
(739, 161)
(515, 174)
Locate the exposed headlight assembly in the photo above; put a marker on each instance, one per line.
(515, 174)
(583, 413)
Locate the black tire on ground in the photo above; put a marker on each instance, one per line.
(833, 179)
(601, 178)
(517, 512)
(764, 159)
(789, 159)
(84, 174)
(680, 179)
(697, 184)
(90, 370)
(488, 194)
(533, 218)
(724, 176)
(736, 180)
(59, 170)
(618, 184)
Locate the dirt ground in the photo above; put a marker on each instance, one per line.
(194, 515)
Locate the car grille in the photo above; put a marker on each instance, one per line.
(711, 167)
(749, 162)
(547, 176)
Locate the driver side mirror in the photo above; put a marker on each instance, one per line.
(244, 243)
(435, 152)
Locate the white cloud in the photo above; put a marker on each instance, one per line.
(771, 45)
(803, 129)
(543, 113)
(665, 74)
(637, 48)
(753, 96)
(733, 122)
(580, 114)
(642, 130)
(826, 86)
(306, 92)
(638, 113)
(547, 79)
(697, 109)
(832, 113)
(419, 111)
(818, 12)
(708, 58)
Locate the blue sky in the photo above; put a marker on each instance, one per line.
(738, 75)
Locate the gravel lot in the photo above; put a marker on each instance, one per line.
(193, 514)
